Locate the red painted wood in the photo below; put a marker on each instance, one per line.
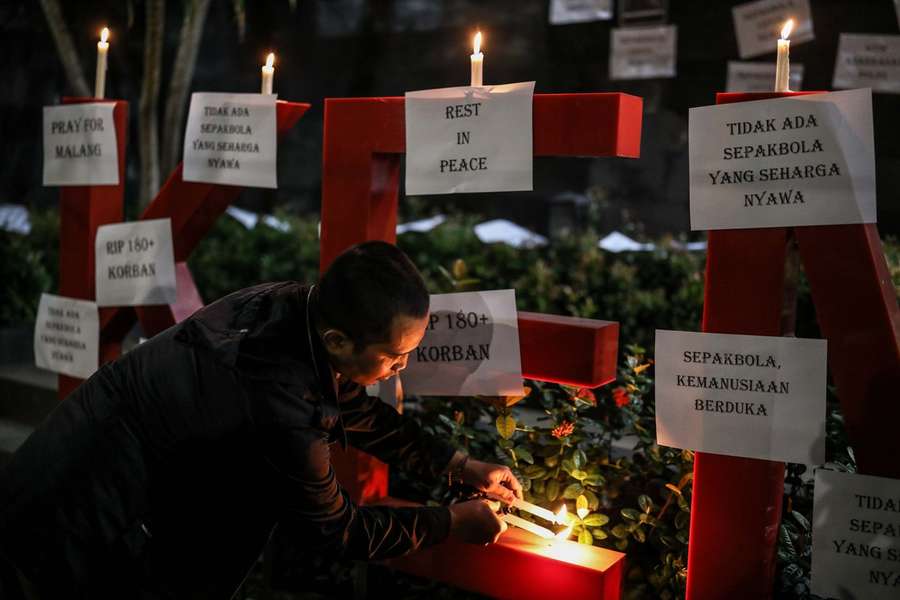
(519, 566)
(82, 209)
(568, 350)
(363, 141)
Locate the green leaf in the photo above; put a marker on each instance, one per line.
(579, 458)
(593, 500)
(578, 474)
(523, 453)
(505, 444)
(506, 426)
(568, 466)
(682, 520)
(599, 534)
(630, 514)
(581, 504)
(620, 531)
(585, 537)
(596, 480)
(538, 485)
(668, 541)
(572, 491)
(801, 520)
(683, 504)
(682, 536)
(533, 471)
(640, 535)
(621, 545)
(596, 520)
(552, 490)
(551, 461)
(645, 503)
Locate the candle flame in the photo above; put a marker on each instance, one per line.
(477, 43)
(104, 34)
(565, 533)
(786, 30)
(562, 515)
(270, 60)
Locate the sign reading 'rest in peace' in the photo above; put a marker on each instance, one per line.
(803, 160)
(135, 263)
(66, 336)
(741, 395)
(856, 536)
(471, 346)
(230, 139)
(469, 139)
(80, 145)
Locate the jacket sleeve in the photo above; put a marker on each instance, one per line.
(316, 510)
(375, 427)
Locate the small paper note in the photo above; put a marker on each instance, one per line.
(868, 61)
(642, 52)
(66, 336)
(741, 395)
(469, 139)
(564, 12)
(758, 25)
(804, 160)
(471, 347)
(80, 145)
(760, 76)
(230, 139)
(135, 264)
(856, 537)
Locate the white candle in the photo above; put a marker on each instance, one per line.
(268, 74)
(100, 76)
(783, 66)
(477, 61)
(528, 526)
(536, 510)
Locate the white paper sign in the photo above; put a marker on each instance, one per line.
(805, 160)
(471, 347)
(642, 52)
(66, 336)
(563, 12)
(230, 140)
(469, 139)
(741, 395)
(856, 537)
(80, 145)
(868, 61)
(758, 25)
(135, 264)
(760, 76)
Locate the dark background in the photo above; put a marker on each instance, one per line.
(346, 48)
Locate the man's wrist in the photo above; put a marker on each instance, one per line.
(456, 468)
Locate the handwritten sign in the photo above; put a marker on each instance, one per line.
(230, 139)
(80, 145)
(471, 347)
(642, 52)
(564, 12)
(759, 76)
(135, 263)
(868, 61)
(66, 336)
(856, 536)
(805, 160)
(741, 395)
(467, 139)
(758, 24)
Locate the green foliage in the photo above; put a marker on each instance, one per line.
(29, 265)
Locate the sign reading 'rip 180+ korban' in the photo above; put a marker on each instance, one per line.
(135, 263)
(803, 160)
(471, 346)
(741, 395)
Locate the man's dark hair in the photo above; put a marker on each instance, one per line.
(366, 287)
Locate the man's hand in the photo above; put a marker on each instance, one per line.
(475, 522)
(495, 480)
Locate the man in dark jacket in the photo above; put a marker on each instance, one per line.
(164, 474)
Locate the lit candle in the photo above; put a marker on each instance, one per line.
(783, 66)
(477, 61)
(561, 517)
(268, 74)
(527, 525)
(536, 510)
(100, 76)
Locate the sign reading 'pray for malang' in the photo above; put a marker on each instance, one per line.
(741, 395)
(471, 347)
(803, 160)
(80, 145)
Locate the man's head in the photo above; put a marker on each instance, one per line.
(372, 311)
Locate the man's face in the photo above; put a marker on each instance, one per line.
(379, 361)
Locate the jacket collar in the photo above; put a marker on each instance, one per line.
(331, 414)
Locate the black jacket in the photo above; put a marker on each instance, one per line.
(166, 471)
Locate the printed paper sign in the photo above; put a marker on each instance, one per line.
(856, 537)
(135, 264)
(66, 336)
(642, 52)
(471, 347)
(741, 395)
(805, 160)
(759, 76)
(469, 139)
(758, 25)
(80, 145)
(230, 140)
(868, 61)
(563, 12)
